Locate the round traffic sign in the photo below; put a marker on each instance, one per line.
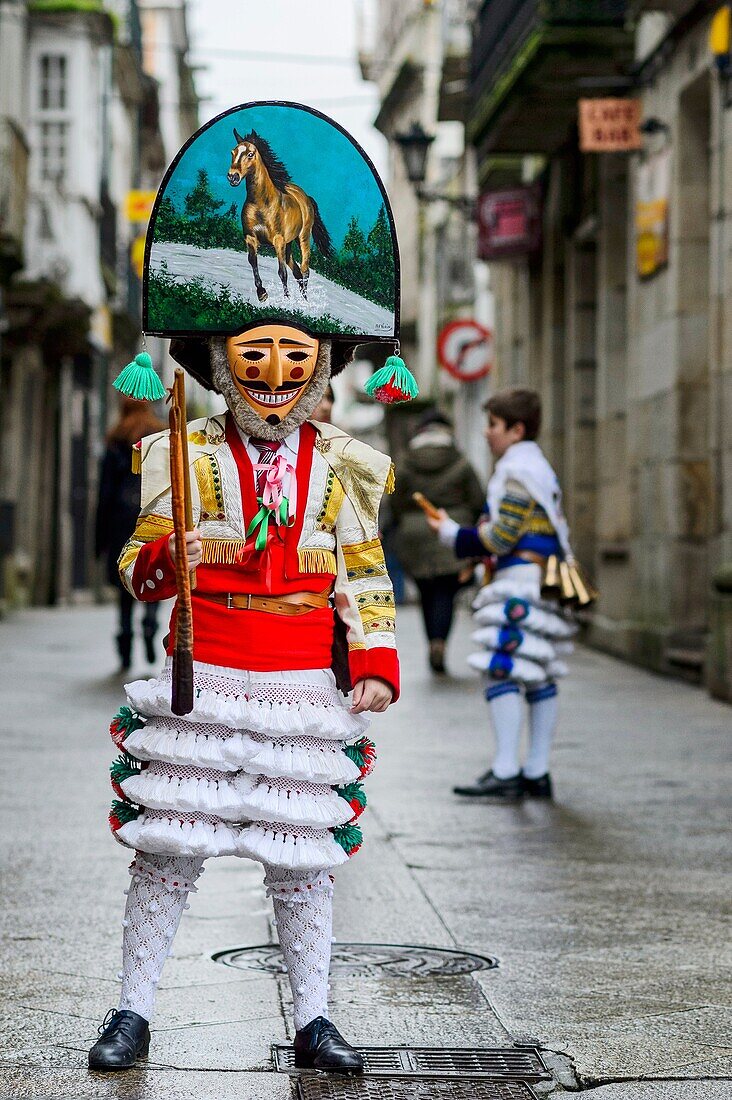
(465, 349)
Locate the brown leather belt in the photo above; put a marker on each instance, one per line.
(529, 555)
(293, 603)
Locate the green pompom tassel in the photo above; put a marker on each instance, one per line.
(139, 380)
(392, 382)
(349, 837)
(121, 813)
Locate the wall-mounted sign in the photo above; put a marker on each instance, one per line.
(652, 213)
(137, 254)
(609, 125)
(465, 350)
(138, 205)
(509, 223)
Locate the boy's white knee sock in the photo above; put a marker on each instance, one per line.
(505, 703)
(543, 710)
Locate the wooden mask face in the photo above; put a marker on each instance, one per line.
(272, 366)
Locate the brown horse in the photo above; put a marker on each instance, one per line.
(276, 210)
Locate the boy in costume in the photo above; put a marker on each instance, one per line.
(523, 636)
(290, 575)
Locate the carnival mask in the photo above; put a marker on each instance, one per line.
(272, 377)
(272, 366)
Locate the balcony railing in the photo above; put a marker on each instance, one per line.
(13, 190)
(504, 28)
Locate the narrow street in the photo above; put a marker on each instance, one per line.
(606, 910)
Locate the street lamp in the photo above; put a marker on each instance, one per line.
(415, 145)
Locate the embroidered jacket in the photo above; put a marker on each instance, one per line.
(332, 544)
(521, 524)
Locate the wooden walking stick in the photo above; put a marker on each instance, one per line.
(182, 696)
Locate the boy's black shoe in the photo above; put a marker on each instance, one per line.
(321, 1046)
(540, 787)
(490, 786)
(124, 1037)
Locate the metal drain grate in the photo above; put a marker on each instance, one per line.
(363, 1088)
(438, 1062)
(367, 960)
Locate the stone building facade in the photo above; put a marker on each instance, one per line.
(635, 370)
(79, 129)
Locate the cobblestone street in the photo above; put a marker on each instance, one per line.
(606, 910)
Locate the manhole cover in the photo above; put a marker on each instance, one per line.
(439, 1062)
(350, 1088)
(367, 960)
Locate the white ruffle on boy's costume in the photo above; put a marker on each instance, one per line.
(522, 635)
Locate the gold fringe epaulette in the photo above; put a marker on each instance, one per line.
(390, 485)
(221, 551)
(136, 460)
(316, 560)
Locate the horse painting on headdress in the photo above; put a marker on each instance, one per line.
(276, 211)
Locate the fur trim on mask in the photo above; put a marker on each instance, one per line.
(246, 418)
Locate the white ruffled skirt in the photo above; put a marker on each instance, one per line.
(523, 637)
(267, 765)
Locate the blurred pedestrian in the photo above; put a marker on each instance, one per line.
(323, 411)
(117, 511)
(523, 637)
(434, 466)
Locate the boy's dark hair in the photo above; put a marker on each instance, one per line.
(517, 406)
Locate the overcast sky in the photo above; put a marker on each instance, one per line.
(301, 50)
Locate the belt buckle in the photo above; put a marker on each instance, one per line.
(229, 601)
(249, 601)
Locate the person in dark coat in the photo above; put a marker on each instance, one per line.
(117, 511)
(434, 466)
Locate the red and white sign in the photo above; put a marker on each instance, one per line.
(465, 350)
(509, 223)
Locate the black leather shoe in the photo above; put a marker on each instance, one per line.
(125, 1037)
(537, 788)
(321, 1046)
(490, 786)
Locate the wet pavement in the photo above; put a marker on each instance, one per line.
(607, 910)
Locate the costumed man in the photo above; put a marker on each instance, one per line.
(289, 570)
(524, 636)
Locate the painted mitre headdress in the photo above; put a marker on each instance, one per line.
(272, 214)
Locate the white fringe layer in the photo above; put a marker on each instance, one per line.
(181, 837)
(279, 704)
(522, 671)
(295, 848)
(317, 760)
(291, 849)
(537, 621)
(321, 763)
(319, 809)
(532, 646)
(222, 798)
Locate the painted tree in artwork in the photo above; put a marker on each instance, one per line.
(379, 238)
(354, 240)
(200, 203)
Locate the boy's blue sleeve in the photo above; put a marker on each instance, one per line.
(468, 543)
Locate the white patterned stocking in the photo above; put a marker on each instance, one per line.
(155, 903)
(303, 909)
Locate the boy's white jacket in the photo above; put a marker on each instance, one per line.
(340, 517)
